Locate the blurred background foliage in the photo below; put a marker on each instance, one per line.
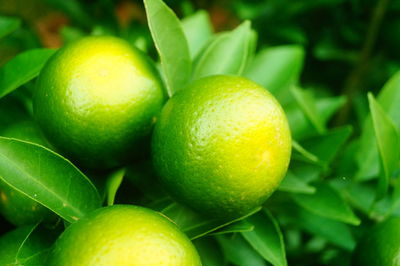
(351, 48)
(351, 45)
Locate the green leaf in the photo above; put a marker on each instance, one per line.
(396, 198)
(326, 146)
(47, 178)
(345, 164)
(240, 226)
(210, 251)
(171, 44)
(301, 127)
(196, 225)
(8, 25)
(306, 101)
(252, 47)
(113, 183)
(277, 68)
(382, 208)
(303, 152)
(360, 195)
(388, 140)
(327, 202)
(292, 183)
(363, 197)
(143, 177)
(308, 172)
(228, 53)
(26, 130)
(22, 68)
(11, 242)
(335, 232)
(36, 246)
(389, 98)
(27, 245)
(368, 155)
(198, 31)
(239, 252)
(266, 238)
(206, 226)
(11, 111)
(327, 107)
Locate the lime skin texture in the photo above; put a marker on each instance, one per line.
(222, 146)
(380, 245)
(123, 235)
(96, 101)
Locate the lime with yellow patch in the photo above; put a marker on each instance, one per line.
(97, 99)
(124, 235)
(222, 145)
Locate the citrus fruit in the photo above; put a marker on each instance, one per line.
(124, 235)
(380, 245)
(15, 206)
(222, 145)
(96, 100)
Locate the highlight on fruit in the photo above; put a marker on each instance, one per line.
(222, 146)
(188, 133)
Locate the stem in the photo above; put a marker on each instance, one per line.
(353, 82)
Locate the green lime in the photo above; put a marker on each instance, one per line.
(124, 235)
(380, 245)
(222, 145)
(97, 99)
